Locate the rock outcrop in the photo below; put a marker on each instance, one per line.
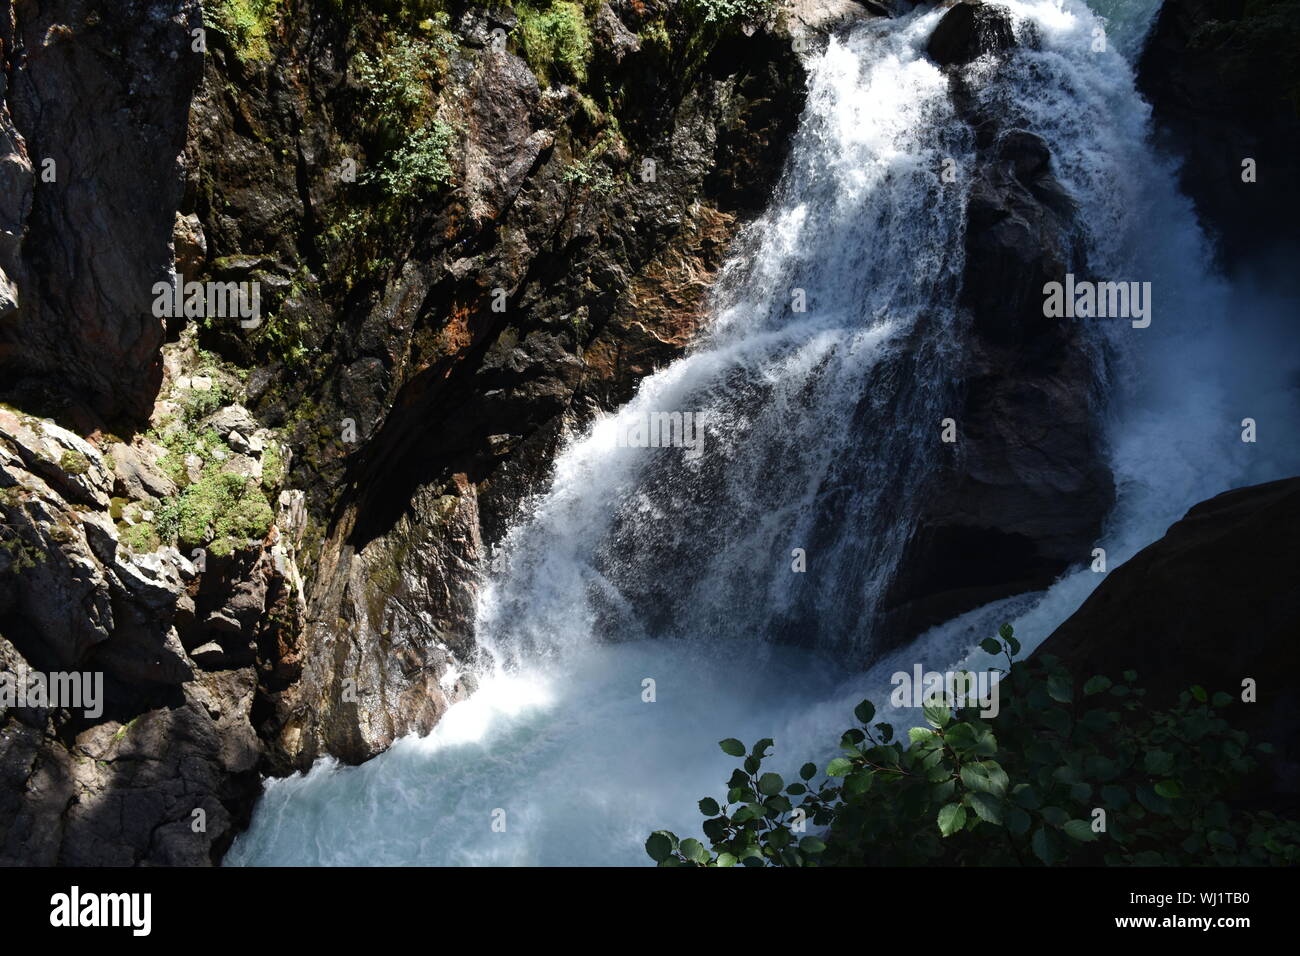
(164, 766)
(568, 256)
(1223, 80)
(969, 30)
(1212, 603)
(92, 123)
(1025, 493)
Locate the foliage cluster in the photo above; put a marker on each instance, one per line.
(1061, 775)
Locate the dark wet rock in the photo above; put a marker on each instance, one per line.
(1212, 603)
(614, 40)
(101, 90)
(1224, 83)
(969, 30)
(1022, 496)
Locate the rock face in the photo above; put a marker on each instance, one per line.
(569, 257)
(1025, 493)
(164, 769)
(593, 202)
(1212, 603)
(92, 124)
(1222, 78)
(969, 30)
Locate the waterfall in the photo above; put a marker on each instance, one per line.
(659, 572)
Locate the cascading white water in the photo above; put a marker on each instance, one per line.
(813, 420)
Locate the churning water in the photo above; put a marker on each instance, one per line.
(813, 438)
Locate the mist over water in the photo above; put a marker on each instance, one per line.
(814, 424)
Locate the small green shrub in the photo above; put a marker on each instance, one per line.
(420, 165)
(555, 42)
(245, 23)
(140, 538)
(74, 462)
(731, 11)
(219, 505)
(198, 403)
(398, 80)
(272, 467)
(1057, 776)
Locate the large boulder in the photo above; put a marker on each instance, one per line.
(1223, 79)
(968, 31)
(1025, 492)
(1213, 602)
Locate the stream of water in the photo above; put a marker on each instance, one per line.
(813, 423)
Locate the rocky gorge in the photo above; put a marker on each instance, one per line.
(476, 230)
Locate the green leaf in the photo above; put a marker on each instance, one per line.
(952, 818)
(1096, 685)
(1054, 815)
(760, 748)
(770, 784)
(1130, 676)
(998, 778)
(1115, 797)
(864, 712)
(1223, 839)
(1026, 797)
(660, 845)
(977, 778)
(1059, 688)
(1199, 693)
(1221, 700)
(1079, 830)
(1015, 646)
(851, 741)
(1169, 789)
(1006, 632)
(694, 850)
(812, 844)
(778, 803)
(732, 747)
(919, 734)
(709, 807)
(1158, 762)
(986, 807)
(726, 859)
(856, 784)
(808, 771)
(1017, 821)
(937, 713)
(990, 646)
(1152, 800)
(839, 767)
(886, 732)
(1046, 846)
